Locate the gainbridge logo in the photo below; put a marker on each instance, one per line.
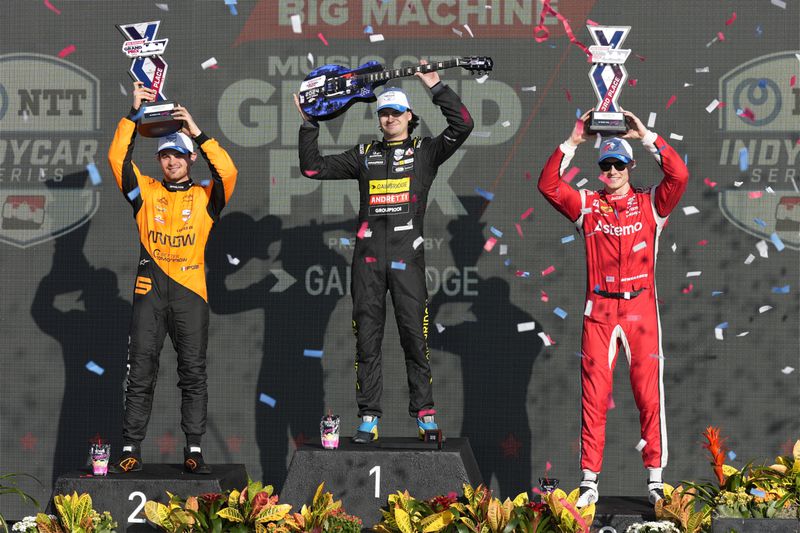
(50, 123)
(759, 131)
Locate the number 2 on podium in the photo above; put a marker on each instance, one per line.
(377, 471)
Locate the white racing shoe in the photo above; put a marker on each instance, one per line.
(588, 490)
(655, 491)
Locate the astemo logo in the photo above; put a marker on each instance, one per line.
(630, 229)
(50, 124)
(759, 127)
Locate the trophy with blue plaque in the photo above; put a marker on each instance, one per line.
(608, 76)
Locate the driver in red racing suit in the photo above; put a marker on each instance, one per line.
(620, 225)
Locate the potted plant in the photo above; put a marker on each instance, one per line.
(8, 485)
(75, 515)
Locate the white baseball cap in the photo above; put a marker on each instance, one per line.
(394, 98)
(180, 142)
(616, 148)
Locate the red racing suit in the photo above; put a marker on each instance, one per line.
(621, 238)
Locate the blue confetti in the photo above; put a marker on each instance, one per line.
(232, 6)
(759, 31)
(313, 353)
(724, 325)
(507, 262)
(91, 366)
(777, 242)
(757, 493)
(497, 232)
(344, 241)
(560, 312)
(731, 455)
(568, 238)
(762, 83)
(486, 194)
(743, 159)
(760, 222)
(782, 290)
(397, 265)
(368, 29)
(267, 399)
(578, 113)
(686, 159)
(134, 194)
(205, 183)
(94, 174)
(716, 293)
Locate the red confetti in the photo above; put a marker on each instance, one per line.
(632, 82)
(527, 176)
(548, 467)
(545, 297)
(710, 183)
(641, 58)
(370, 259)
(541, 33)
(489, 244)
(66, 51)
(548, 270)
(362, 230)
(322, 38)
(671, 101)
(687, 290)
(603, 178)
(51, 7)
(519, 230)
(754, 194)
(590, 22)
(731, 20)
(526, 214)
(611, 404)
(792, 81)
(568, 94)
(579, 126)
(720, 36)
(748, 114)
(702, 243)
(310, 173)
(571, 173)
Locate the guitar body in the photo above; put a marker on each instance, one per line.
(330, 90)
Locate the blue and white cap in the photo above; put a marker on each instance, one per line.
(180, 142)
(616, 148)
(394, 98)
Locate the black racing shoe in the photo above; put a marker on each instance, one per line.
(194, 463)
(127, 462)
(655, 491)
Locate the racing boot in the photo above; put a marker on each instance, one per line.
(588, 489)
(129, 461)
(367, 431)
(193, 461)
(425, 422)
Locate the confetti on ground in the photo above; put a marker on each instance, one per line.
(376, 38)
(764, 308)
(133, 194)
(588, 309)
(211, 62)
(676, 137)
(690, 210)
(322, 38)
(777, 242)
(544, 296)
(560, 313)
(94, 174)
(233, 260)
(762, 248)
(398, 265)
(93, 367)
(526, 326)
(267, 399)
(743, 159)
(297, 25)
(570, 175)
(418, 241)
(712, 106)
(641, 445)
(526, 214)
(489, 244)
(671, 101)
(568, 238)
(548, 270)
(694, 273)
(786, 289)
(312, 353)
(546, 338)
(787, 370)
(66, 51)
(640, 246)
(486, 194)
(51, 7)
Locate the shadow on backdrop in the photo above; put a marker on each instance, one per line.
(294, 321)
(496, 419)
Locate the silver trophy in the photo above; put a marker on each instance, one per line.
(608, 76)
(149, 67)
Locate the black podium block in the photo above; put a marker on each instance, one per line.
(124, 495)
(363, 475)
(613, 514)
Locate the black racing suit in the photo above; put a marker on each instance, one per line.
(393, 181)
(174, 221)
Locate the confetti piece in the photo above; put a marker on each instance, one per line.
(312, 353)
(690, 210)
(782, 290)
(122, 90)
(777, 242)
(743, 159)
(519, 230)
(544, 296)
(93, 367)
(489, 244)
(205, 183)
(368, 29)
(640, 246)
(344, 241)
(716, 293)
(504, 250)
(754, 194)
(731, 20)
(269, 400)
(370, 260)
(133, 194)
(466, 27)
(731, 455)
(567, 239)
(719, 329)
(641, 445)
(702, 243)
(769, 190)
(687, 290)
(632, 82)
(720, 36)
(674, 247)
(779, 3)
(570, 175)
(458, 32)
(363, 230)
(398, 265)
(233, 260)
(694, 273)
(231, 6)
(162, 7)
(440, 328)
(94, 174)
(676, 137)
(496, 232)
(310, 58)
(712, 106)
(560, 313)
(546, 338)
(710, 183)
(506, 123)
(611, 404)
(750, 259)
(758, 493)
(587, 311)
(701, 70)
(66, 51)
(671, 101)
(581, 183)
(486, 194)
(417, 242)
(376, 38)
(526, 326)
(738, 184)
(322, 38)
(548, 270)
(568, 95)
(526, 214)
(651, 120)
(51, 7)
(792, 81)
(297, 25)
(746, 113)
(787, 370)
(211, 62)
(530, 89)
(764, 309)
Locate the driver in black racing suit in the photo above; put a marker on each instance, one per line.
(394, 176)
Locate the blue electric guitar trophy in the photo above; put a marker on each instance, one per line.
(328, 91)
(608, 77)
(149, 67)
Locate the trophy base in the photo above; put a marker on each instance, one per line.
(606, 123)
(157, 119)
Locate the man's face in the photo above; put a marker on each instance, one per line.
(175, 165)
(616, 174)
(394, 123)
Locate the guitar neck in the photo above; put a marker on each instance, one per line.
(386, 75)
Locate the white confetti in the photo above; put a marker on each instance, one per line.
(779, 3)
(418, 241)
(439, 327)
(530, 89)
(676, 137)
(764, 309)
(466, 27)
(718, 334)
(482, 79)
(297, 26)
(208, 63)
(743, 334)
(750, 259)
(769, 190)
(376, 38)
(581, 184)
(787, 370)
(674, 247)
(737, 183)
(641, 445)
(651, 120)
(162, 7)
(588, 310)
(694, 273)
(712, 106)
(233, 260)
(763, 249)
(687, 85)
(526, 326)
(597, 141)
(310, 58)
(641, 246)
(122, 90)
(690, 210)
(701, 70)
(503, 249)
(506, 123)
(458, 32)
(545, 339)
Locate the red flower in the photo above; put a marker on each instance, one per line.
(716, 446)
(538, 507)
(441, 503)
(211, 497)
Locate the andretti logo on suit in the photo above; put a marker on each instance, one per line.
(758, 131)
(50, 123)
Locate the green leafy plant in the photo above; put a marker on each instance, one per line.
(176, 516)
(341, 522)
(8, 485)
(255, 508)
(678, 506)
(75, 515)
(567, 517)
(316, 517)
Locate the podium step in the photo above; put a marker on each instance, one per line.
(124, 495)
(363, 475)
(613, 514)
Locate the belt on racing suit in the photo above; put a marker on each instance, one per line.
(619, 295)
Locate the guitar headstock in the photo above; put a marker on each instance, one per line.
(476, 64)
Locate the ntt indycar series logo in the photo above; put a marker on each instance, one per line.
(50, 124)
(760, 148)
